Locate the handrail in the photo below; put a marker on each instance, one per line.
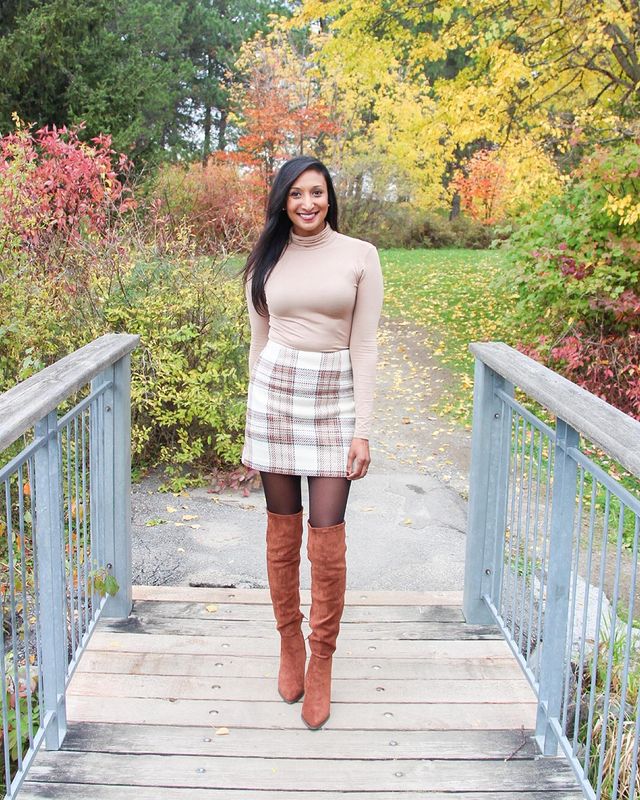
(552, 549)
(611, 429)
(31, 400)
(65, 536)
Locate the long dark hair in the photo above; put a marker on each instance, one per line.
(275, 234)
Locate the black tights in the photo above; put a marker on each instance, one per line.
(327, 497)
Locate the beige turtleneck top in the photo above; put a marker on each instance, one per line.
(325, 294)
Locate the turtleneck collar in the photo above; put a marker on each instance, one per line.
(317, 240)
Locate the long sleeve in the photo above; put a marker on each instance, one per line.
(259, 328)
(363, 344)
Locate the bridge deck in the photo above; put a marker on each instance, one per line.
(180, 702)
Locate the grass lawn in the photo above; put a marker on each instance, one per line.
(449, 292)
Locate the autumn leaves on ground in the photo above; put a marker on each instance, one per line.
(436, 302)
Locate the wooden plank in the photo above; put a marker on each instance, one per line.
(276, 714)
(182, 646)
(205, 772)
(214, 626)
(102, 684)
(481, 668)
(359, 597)
(335, 744)
(72, 791)
(264, 612)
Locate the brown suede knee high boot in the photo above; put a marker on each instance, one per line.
(284, 540)
(326, 548)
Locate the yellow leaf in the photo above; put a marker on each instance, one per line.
(212, 608)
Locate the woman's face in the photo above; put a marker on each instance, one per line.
(308, 203)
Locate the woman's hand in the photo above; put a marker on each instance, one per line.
(358, 460)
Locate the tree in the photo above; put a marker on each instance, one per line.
(216, 30)
(154, 74)
(115, 66)
(281, 113)
(449, 77)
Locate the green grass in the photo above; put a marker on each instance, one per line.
(450, 293)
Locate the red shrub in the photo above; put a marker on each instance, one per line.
(607, 366)
(219, 202)
(55, 188)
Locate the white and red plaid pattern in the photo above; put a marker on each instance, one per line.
(300, 412)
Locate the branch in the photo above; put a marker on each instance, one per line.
(629, 62)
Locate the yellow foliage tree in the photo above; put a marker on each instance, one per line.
(431, 82)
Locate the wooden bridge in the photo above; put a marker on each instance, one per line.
(180, 702)
(171, 691)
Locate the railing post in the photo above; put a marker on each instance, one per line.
(117, 482)
(48, 524)
(554, 637)
(490, 443)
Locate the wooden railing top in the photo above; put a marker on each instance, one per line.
(27, 402)
(615, 432)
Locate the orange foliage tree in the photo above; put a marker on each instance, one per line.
(282, 114)
(483, 190)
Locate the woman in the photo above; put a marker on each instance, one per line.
(314, 298)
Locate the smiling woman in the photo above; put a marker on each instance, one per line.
(314, 299)
(308, 203)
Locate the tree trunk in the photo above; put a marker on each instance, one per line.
(455, 207)
(222, 128)
(206, 146)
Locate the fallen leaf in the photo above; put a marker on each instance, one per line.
(171, 509)
(222, 731)
(187, 517)
(211, 608)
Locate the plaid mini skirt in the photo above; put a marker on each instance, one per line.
(300, 412)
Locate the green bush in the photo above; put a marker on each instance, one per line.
(573, 260)
(189, 374)
(576, 278)
(400, 225)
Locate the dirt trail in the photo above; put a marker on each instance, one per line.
(407, 433)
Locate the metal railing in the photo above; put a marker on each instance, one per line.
(64, 535)
(551, 557)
